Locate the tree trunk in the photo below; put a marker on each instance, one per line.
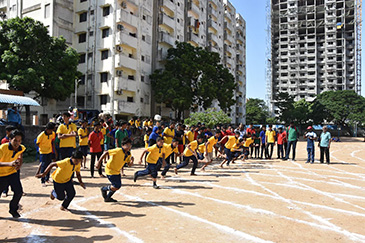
(27, 115)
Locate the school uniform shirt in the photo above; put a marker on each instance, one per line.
(193, 146)
(190, 136)
(7, 154)
(150, 123)
(154, 154)
(45, 142)
(146, 137)
(270, 136)
(138, 123)
(201, 148)
(69, 142)
(169, 150)
(131, 122)
(170, 132)
(310, 142)
(248, 142)
(230, 142)
(235, 147)
(118, 157)
(145, 124)
(64, 171)
(212, 141)
(94, 139)
(103, 132)
(83, 132)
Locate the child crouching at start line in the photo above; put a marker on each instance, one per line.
(62, 178)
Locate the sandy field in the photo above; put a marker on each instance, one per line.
(251, 201)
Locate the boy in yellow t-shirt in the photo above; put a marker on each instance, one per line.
(270, 141)
(154, 153)
(83, 140)
(62, 178)
(11, 159)
(191, 154)
(118, 158)
(66, 133)
(170, 151)
(209, 145)
(232, 140)
(46, 147)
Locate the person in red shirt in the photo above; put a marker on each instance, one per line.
(8, 130)
(250, 130)
(95, 138)
(280, 137)
(285, 140)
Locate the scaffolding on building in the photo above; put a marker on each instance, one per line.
(358, 44)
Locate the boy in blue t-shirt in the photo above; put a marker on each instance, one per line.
(263, 142)
(311, 137)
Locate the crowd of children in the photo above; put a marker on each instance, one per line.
(66, 148)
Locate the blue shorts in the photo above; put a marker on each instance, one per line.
(66, 152)
(228, 154)
(116, 180)
(84, 150)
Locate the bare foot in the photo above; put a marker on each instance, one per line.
(221, 165)
(103, 176)
(202, 169)
(52, 197)
(175, 170)
(193, 174)
(163, 177)
(44, 185)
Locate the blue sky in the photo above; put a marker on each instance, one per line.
(254, 12)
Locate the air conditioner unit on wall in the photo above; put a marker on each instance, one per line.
(120, 27)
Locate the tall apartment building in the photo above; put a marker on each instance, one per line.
(121, 42)
(313, 47)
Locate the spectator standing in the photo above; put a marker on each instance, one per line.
(293, 134)
(324, 145)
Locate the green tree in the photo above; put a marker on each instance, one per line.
(343, 107)
(285, 103)
(210, 118)
(301, 112)
(256, 111)
(31, 60)
(193, 77)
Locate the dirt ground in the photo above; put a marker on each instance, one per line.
(251, 201)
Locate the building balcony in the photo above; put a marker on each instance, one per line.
(212, 24)
(127, 17)
(162, 54)
(127, 107)
(228, 27)
(213, 48)
(125, 84)
(166, 20)
(126, 62)
(126, 38)
(194, 8)
(167, 4)
(213, 37)
(193, 38)
(166, 38)
(213, 11)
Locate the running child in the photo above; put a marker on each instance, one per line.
(11, 157)
(95, 148)
(154, 153)
(231, 141)
(212, 141)
(238, 151)
(62, 178)
(118, 157)
(191, 154)
(170, 151)
(246, 146)
(46, 146)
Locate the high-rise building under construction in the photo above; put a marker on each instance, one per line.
(315, 47)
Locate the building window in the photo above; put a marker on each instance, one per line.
(91, 33)
(105, 33)
(103, 99)
(83, 17)
(81, 1)
(82, 80)
(142, 58)
(82, 58)
(80, 101)
(103, 77)
(91, 12)
(90, 55)
(130, 77)
(104, 54)
(141, 100)
(106, 11)
(143, 37)
(130, 99)
(82, 38)
(142, 78)
(47, 11)
(144, 17)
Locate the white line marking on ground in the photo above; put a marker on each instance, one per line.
(220, 227)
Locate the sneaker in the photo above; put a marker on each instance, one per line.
(135, 177)
(312, 162)
(103, 193)
(110, 200)
(15, 214)
(193, 174)
(156, 187)
(307, 162)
